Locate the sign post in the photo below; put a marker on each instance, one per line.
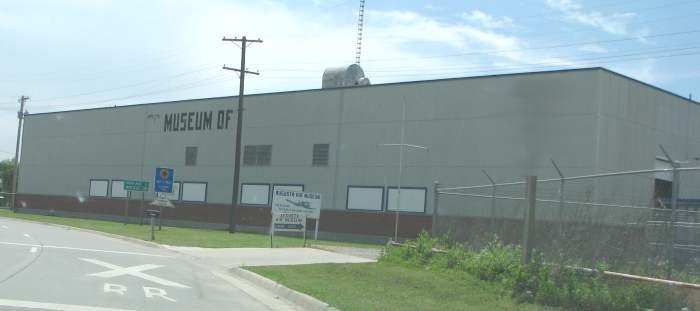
(126, 207)
(164, 179)
(129, 186)
(307, 203)
(288, 222)
(153, 214)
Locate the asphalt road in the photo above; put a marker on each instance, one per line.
(45, 267)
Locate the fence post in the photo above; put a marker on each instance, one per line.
(436, 195)
(529, 218)
(492, 219)
(675, 185)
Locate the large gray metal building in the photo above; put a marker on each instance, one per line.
(325, 140)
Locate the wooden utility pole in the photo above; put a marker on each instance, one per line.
(239, 127)
(20, 118)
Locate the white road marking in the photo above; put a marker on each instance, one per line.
(27, 236)
(4, 227)
(133, 271)
(114, 288)
(52, 306)
(151, 292)
(85, 249)
(33, 249)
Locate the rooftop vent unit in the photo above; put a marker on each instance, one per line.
(345, 76)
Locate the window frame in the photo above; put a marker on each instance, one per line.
(425, 199)
(269, 194)
(313, 155)
(179, 191)
(99, 196)
(256, 155)
(381, 206)
(196, 155)
(182, 190)
(111, 190)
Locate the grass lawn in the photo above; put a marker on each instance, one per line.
(387, 286)
(179, 236)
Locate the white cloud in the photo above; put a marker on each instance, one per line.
(299, 43)
(487, 21)
(614, 23)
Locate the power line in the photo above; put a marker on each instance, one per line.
(488, 52)
(648, 52)
(530, 67)
(177, 88)
(91, 74)
(403, 68)
(121, 87)
(498, 69)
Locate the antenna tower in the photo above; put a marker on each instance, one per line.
(360, 23)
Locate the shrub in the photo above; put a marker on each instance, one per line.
(537, 282)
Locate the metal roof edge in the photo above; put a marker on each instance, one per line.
(692, 101)
(358, 87)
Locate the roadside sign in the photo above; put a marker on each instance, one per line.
(135, 185)
(164, 179)
(161, 200)
(308, 203)
(290, 222)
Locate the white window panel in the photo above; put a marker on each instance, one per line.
(194, 192)
(412, 200)
(98, 188)
(175, 195)
(118, 189)
(255, 194)
(365, 198)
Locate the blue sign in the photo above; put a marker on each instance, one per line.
(164, 180)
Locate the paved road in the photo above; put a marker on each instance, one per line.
(52, 268)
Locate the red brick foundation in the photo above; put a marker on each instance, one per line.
(339, 221)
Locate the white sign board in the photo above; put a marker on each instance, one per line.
(308, 203)
(291, 222)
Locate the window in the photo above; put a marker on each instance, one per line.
(257, 155)
(320, 155)
(365, 198)
(194, 191)
(175, 195)
(99, 187)
(118, 189)
(190, 156)
(255, 194)
(412, 199)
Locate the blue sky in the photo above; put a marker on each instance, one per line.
(73, 54)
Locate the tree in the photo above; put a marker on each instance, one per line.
(7, 167)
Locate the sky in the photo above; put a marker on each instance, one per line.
(75, 54)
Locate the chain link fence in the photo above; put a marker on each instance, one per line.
(633, 221)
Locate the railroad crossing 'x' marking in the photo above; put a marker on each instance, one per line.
(133, 271)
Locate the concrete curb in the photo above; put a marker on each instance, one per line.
(300, 299)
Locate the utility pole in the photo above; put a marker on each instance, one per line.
(20, 118)
(239, 127)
